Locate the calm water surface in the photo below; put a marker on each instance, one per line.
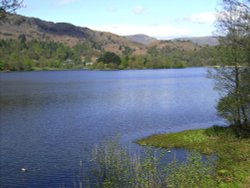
(50, 121)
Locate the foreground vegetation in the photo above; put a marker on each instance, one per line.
(232, 151)
(217, 157)
(114, 166)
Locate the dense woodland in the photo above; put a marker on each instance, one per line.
(22, 54)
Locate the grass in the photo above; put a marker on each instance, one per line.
(232, 153)
(114, 166)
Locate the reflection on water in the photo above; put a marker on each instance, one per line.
(51, 120)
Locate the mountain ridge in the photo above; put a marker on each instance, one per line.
(38, 43)
(35, 28)
(141, 38)
(202, 41)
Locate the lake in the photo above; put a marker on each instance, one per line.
(50, 121)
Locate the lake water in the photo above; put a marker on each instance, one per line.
(51, 120)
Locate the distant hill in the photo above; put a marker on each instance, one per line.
(33, 28)
(202, 41)
(140, 38)
(42, 45)
(183, 45)
(147, 40)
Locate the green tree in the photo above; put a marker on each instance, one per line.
(1, 66)
(22, 40)
(231, 78)
(98, 66)
(124, 63)
(110, 58)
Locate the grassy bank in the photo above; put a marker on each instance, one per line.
(232, 153)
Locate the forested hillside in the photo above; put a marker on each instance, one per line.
(32, 44)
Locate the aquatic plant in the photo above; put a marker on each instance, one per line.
(114, 166)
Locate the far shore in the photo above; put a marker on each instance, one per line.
(91, 69)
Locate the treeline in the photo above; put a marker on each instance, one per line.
(21, 54)
(17, 55)
(160, 59)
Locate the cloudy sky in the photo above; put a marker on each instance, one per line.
(163, 19)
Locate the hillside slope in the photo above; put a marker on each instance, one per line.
(41, 44)
(203, 41)
(33, 28)
(140, 38)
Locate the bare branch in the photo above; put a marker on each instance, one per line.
(9, 6)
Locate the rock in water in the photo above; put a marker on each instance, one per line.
(24, 170)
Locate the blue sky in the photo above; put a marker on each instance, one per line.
(157, 18)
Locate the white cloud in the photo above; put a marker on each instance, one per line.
(157, 30)
(201, 18)
(138, 10)
(64, 2)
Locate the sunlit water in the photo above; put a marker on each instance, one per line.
(51, 120)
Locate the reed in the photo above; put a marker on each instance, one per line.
(114, 166)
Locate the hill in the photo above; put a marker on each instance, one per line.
(202, 41)
(141, 38)
(33, 28)
(175, 44)
(31, 43)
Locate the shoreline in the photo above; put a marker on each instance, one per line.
(89, 69)
(233, 153)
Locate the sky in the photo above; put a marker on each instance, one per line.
(163, 19)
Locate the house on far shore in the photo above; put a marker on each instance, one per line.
(68, 61)
(89, 63)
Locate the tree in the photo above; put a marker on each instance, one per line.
(9, 6)
(231, 78)
(110, 58)
(22, 40)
